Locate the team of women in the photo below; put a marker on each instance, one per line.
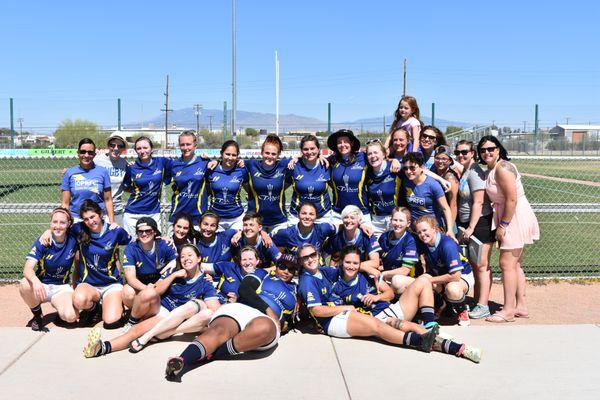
(380, 257)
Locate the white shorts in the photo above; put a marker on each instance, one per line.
(338, 325)
(394, 311)
(243, 314)
(104, 290)
(236, 223)
(129, 221)
(336, 219)
(381, 224)
(470, 280)
(52, 290)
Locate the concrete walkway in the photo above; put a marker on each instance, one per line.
(548, 362)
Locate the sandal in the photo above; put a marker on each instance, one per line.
(136, 346)
(499, 318)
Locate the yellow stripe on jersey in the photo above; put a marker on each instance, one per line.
(112, 263)
(397, 191)
(281, 194)
(200, 193)
(220, 284)
(253, 192)
(42, 264)
(176, 197)
(361, 184)
(335, 191)
(85, 268)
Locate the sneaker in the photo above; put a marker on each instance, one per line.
(430, 325)
(463, 318)
(428, 339)
(472, 353)
(93, 345)
(174, 367)
(479, 311)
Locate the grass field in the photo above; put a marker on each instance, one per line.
(568, 245)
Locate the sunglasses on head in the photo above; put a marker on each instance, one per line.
(373, 141)
(490, 149)
(88, 152)
(461, 152)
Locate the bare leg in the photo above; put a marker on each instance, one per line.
(170, 322)
(128, 296)
(63, 302)
(197, 323)
(146, 304)
(418, 294)
(220, 330)
(112, 307)
(259, 332)
(483, 276)
(85, 296)
(400, 283)
(361, 325)
(508, 264)
(26, 291)
(122, 342)
(521, 309)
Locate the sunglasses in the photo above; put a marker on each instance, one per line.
(88, 152)
(373, 141)
(309, 256)
(117, 145)
(461, 152)
(428, 137)
(411, 168)
(145, 231)
(284, 267)
(490, 149)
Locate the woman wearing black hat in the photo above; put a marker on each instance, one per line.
(347, 168)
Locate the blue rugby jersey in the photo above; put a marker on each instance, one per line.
(145, 183)
(225, 187)
(278, 294)
(383, 190)
(348, 183)
(398, 253)
(183, 290)
(267, 190)
(444, 257)
(352, 293)
(317, 290)
(148, 265)
(268, 255)
(310, 185)
(365, 244)
(291, 239)
(85, 184)
(423, 199)
(54, 262)
(230, 276)
(98, 260)
(190, 194)
(219, 249)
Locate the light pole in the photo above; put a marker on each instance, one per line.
(233, 71)
(197, 112)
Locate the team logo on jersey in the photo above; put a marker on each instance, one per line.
(322, 178)
(71, 254)
(235, 179)
(357, 166)
(214, 178)
(95, 261)
(388, 178)
(49, 256)
(269, 196)
(199, 172)
(299, 177)
(257, 174)
(138, 176)
(157, 172)
(224, 250)
(310, 297)
(108, 246)
(278, 174)
(178, 173)
(346, 187)
(381, 202)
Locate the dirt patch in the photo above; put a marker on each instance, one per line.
(563, 302)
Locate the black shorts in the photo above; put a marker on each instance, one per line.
(483, 230)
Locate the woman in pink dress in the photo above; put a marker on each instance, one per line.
(515, 224)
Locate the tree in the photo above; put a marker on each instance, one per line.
(69, 133)
(452, 129)
(251, 132)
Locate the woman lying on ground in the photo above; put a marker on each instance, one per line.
(254, 322)
(177, 289)
(344, 321)
(371, 297)
(47, 271)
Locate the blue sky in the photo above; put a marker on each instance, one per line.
(478, 62)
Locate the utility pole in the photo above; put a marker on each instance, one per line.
(567, 118)
(166, 110)
(12, 126)
(433, 114)
(524, 126)
(119, 114)
(210, 117)
(20, 120)
(276, 94)
(329, 118)
(403, 82)
(535, 130)
(224, 121)
(233, 70)
(198, 111)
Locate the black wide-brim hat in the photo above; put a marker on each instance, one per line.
(332, 140)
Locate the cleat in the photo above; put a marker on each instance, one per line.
(93, 345)
(174, 367)
(428, 339)
(472, 353)
(463, 318)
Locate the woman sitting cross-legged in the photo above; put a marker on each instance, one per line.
(177, 289)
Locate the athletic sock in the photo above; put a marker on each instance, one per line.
(132, 320)
(226, 349)
(412, 339)
(450, 347)
(194, 353)
(37, 311)
(427, 314)
(105, 348)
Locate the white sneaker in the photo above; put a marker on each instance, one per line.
(472, 353)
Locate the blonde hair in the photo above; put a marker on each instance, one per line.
(351, 209)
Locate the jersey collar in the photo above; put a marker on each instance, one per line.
(438, 238)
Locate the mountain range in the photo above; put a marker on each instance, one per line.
(186, 117)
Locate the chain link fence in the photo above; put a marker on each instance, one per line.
(564, 192)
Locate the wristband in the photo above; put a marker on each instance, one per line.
(504, 223)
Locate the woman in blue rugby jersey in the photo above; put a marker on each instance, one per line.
(310, 180)
(98, 270)
(225, 184)
(144, 179)
(374, 298)
(184, 292)
(266, 301)
(190, 194)
(87, 181)
(47, 271)
(215, 246)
